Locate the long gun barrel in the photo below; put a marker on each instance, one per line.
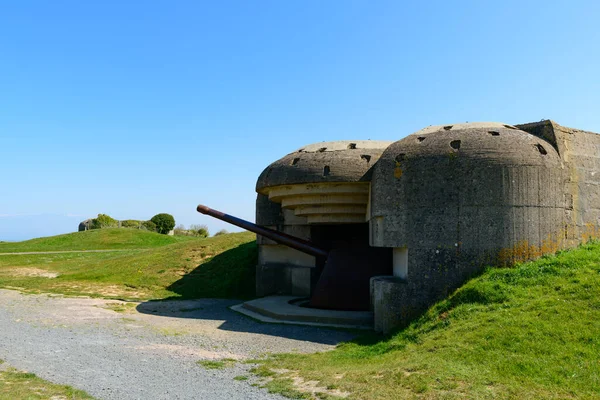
(279, 237)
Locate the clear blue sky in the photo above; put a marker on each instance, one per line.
(131, 108)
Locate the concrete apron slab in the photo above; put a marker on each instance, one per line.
(286, 310)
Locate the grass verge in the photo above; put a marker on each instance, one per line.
(17, 385)
(96, 239)
(217, 267)
(532, 331)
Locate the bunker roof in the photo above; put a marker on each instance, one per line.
(340, 161)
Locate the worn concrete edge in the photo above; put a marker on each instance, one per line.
(239, 308)
(289, 312)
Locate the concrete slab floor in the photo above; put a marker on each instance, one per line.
(287, 310)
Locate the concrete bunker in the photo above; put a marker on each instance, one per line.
(402, 224)
(321, 193)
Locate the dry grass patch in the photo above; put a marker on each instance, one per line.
(29, 271)
(18, 385)
(290, 384)
(121, 307)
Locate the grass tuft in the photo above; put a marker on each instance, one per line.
(217, 364)
(18, 385)
(285, 387)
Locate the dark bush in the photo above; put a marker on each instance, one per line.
(164, 222)
(221, 232)
(149, 226)
(203, 233)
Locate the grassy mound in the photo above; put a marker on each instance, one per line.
(222, 266)
(532, 331)
(96, 239)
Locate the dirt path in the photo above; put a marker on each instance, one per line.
(147, 350)
(22, 253)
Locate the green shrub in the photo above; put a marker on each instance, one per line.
(200, 230)
(104, 221)
(164, 222)
(221, 232)
(203, 233)
(131, 223)
(149, 226)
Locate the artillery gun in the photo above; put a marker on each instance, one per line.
(343, 283)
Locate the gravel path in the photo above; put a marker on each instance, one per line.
(147, 352)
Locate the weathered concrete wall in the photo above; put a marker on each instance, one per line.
(84, 225)
(580, 153)
(458, 198)
(280, 269)
(448, 199)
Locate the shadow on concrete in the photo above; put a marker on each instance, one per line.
(218, 310)
(207, 292)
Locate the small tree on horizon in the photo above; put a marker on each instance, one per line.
(164, 222)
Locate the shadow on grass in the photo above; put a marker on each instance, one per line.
(227, 279)
(230, 274)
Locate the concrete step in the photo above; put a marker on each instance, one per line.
(288, 310)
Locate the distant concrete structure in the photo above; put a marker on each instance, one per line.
(439, 205)
(85, 225)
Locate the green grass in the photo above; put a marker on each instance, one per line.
(532, 331)
(218, 267)
(122, 308)
(17, 385)
(216, 364)
(96, 239)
